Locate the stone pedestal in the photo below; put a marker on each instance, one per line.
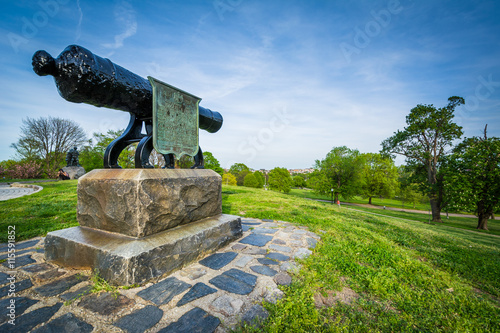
(137, 224)
(74, 172)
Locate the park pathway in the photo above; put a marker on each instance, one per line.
(215, 294)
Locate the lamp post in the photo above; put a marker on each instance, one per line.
(332, 196)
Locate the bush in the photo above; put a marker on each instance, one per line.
(251, 181)
(228, 179)
(25, 170)
(280, 180)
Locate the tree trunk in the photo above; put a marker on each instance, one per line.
(434, 193)
(482, 222)
(483, 214)
(436, 211)
(370, 201)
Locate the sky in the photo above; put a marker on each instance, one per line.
(292, 79)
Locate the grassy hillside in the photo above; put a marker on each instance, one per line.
(388, 274)
(404, 275)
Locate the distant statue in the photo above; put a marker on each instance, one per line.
(72, 158)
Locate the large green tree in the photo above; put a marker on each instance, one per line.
(92, 154)
(426, 139)
(212, 163)
(280, 180)
(239, 170)
(473, 179)
(340, 171)
(380, 176)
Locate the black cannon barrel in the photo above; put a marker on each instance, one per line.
(83, 77)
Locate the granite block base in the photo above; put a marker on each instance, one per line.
(124, 260)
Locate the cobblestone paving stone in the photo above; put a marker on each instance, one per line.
(215, 294)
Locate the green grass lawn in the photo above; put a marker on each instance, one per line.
(406, 276)
(467, 223)
(307, 193)
(33, 215)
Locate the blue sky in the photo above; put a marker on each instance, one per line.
(292, 79)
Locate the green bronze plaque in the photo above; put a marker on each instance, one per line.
(175, 120)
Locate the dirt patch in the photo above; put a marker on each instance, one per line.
(329, 297)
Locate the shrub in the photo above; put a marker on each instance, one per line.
(251, 181)
(25, 170)
(228, 179)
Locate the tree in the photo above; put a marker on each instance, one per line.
(260, 178)
(340, 170)
(280, 180)
(212, 163)
(379, 176)
(473, 180)
(239, 170)
(48, 139)
(251, 181)
(299, 180)
(430, 132)
(408, 189)
(229, 179)
(92, 154)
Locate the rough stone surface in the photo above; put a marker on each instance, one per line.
(263, 231)
(18, 253)
(193, 273)
(19, 261)
(19, 286)
(280, 248)
(59, 286)
(255, 316)
(311, 242)
(226, 305)
(29, 320)
(267, 261)
(218, 260)
(66, 323)
(277, 256)
(256, 239)
(218, 292)
(235, 281)
(20, 305)
(199, 290)
(142, 202)
(238, 247)
(70, 296)
(123, 260)
(53, 273)
(74, 172)
(35, 268)
(3, 278)
(290, 267)
(255, 251)
(140, 320)
(106, 303)
(164, 291)
(283, 279)
(21, 245)
(243, 261)
(264, 270)
(196, 320)
(302, 253)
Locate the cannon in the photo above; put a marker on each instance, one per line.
(83, 77)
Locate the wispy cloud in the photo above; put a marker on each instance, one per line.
(126, 20)
(79, 26)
